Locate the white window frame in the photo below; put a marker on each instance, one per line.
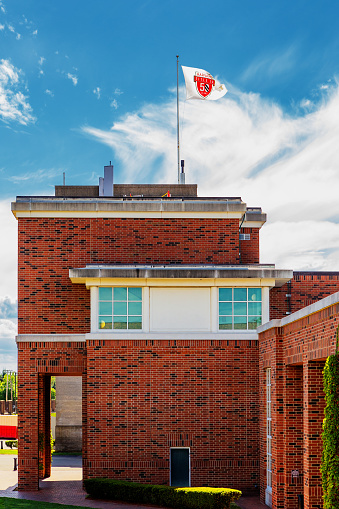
(262, 301)
(95, 311)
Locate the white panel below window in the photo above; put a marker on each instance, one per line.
(180, 309)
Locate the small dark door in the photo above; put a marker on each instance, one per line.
(180, 467)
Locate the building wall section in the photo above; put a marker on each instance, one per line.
(170, 393)
(295, 348)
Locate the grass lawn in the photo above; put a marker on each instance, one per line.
(12, 503)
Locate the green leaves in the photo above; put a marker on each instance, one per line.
(330, 435)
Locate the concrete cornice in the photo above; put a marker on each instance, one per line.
(277, 277)
(187, 207)
(302, 313)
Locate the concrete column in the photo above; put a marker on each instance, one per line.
(68, 429)
(314, 404)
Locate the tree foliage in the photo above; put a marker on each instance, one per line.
(12, 386)
(330, 435)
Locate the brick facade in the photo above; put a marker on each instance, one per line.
(48, 247)
(141, 397)
(296, 352)
(162, 394)
(37, 362)
(304, 289)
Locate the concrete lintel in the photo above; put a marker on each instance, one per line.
(49, 338)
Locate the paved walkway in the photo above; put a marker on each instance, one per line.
(65, 487)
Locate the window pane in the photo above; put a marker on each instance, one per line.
(134, 308)
(105, 293)
(269, 479)
(240, 322)
(254, 308)
(134, 294)
(120, 293)
(225, 308)
(134, 322)
(105, 322)
(225, 294)
(240, 308)
(254, 294)
(254, 322)
(120, 322)
(225, 322)
(105, 308)
(240, 293)
(120, 308)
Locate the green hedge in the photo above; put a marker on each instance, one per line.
(168, 496)
(330, 435)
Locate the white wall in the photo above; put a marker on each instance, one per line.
(180, 309)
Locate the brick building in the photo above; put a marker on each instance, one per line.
(155, 302)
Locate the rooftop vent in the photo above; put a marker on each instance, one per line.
(106, 183)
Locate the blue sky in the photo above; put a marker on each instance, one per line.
(83, 84)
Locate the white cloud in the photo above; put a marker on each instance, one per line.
(73, 78)
(8, 349)
(37, 176)
(306, 104)
(8, 254)
(8, 328)
(272, 64)
(35, 32)
(97, 92)
(13, 103)
(2, 27)
(42, 60)
(117, 91)
(49, 92)
(8, 307)
(114, 104)
(246, 146)
(11, 28)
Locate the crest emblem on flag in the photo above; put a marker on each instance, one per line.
(200, 84)
(204, 84)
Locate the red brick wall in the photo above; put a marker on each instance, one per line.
(48, 247)
(37, 361)
(154, 395)
(305, 288)
(250, 248)
(296, 354)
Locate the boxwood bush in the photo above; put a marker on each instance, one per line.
(168, 496)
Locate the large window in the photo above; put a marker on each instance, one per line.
(240, 308)
(120, 308)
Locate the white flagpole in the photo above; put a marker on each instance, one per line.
(178, 118)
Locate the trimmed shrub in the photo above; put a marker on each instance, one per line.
(330, 435)
(169, 496)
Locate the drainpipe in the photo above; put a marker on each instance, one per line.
(242, 220)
